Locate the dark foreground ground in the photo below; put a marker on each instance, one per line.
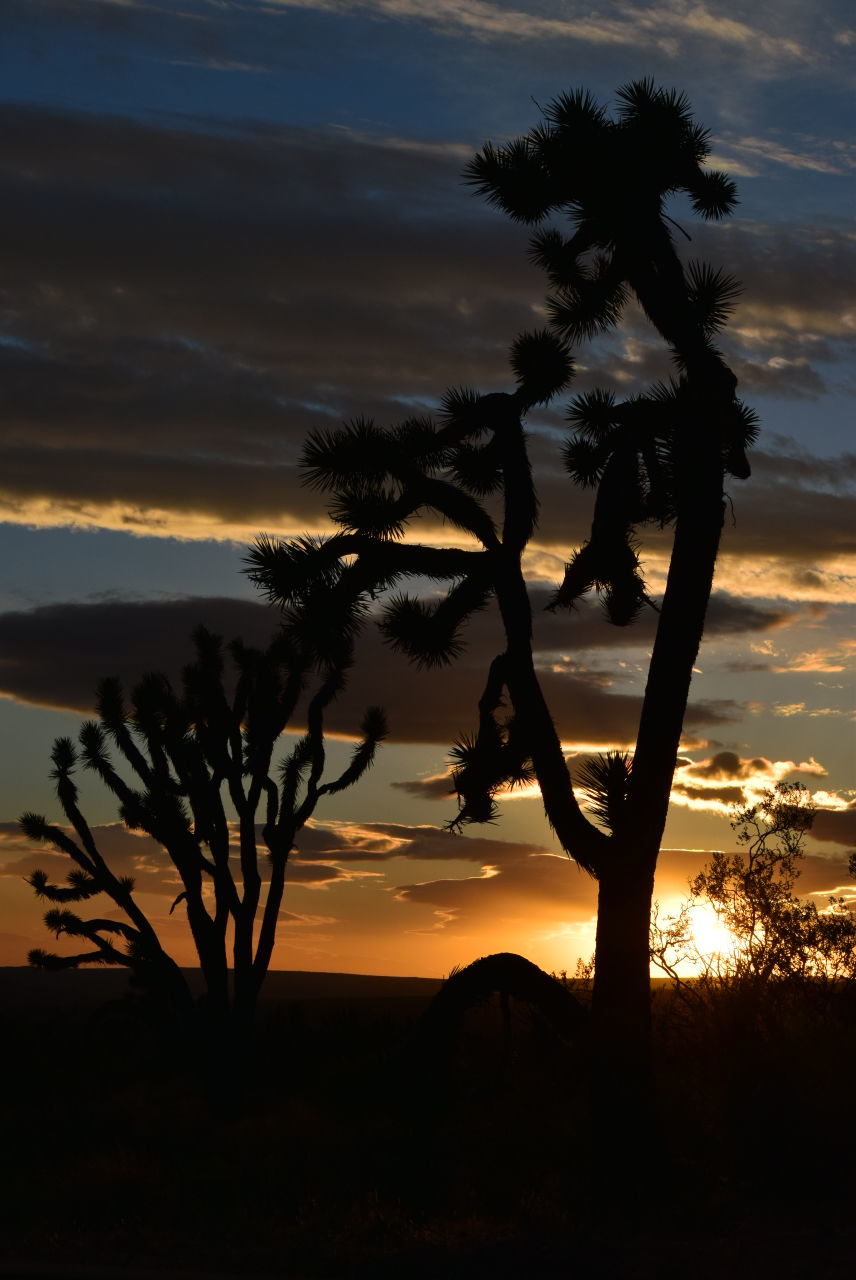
(355, 1148)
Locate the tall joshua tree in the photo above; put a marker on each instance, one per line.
(658, 458)
(203, 760)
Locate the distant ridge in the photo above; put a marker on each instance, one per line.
(24, 987)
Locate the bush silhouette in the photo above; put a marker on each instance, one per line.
(774, 944)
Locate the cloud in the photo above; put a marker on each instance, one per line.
(798, 528)
(828, 658)
(436, 786)
(672, 28)
(717, 799)
(125, 640)
(139, 856)
(510, 890)
(727, 764)
(543, 888)
(704, 784)
(386, 840)
(171, 351)
(793, 465)
(208, 298)
(126, 853)
(837, 826)
(437, 706)
(788, 709)
(817, 155)
(326, 854)
(213, 36)
(720, 782)
(219, 64)
(777, 305)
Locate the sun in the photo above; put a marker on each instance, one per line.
(711, 934)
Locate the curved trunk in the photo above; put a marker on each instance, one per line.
(679, 632)
(621, 1002)
(580, 839)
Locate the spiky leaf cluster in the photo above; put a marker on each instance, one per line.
(478, 468)
(494, 761)
(79, 886)
(589, 300)
(713, 296)
(374, 730)
(605, 782)
(429, 632)
(635, 454)
(362, 456)
(542, 365)
(611, 567)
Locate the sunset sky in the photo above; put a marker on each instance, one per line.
(225, 224)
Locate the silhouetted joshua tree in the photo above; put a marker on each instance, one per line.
(203, 760)
(657, 458)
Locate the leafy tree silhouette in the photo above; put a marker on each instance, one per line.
(193, 753)
(776, 945)
(658, 458)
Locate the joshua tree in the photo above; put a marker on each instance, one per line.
(203, 760)
(659, 458)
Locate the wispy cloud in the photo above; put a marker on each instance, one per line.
(816, 154)
(486, 21)
(668, 27)
(219, 64)
(788, 709)
(829, 658)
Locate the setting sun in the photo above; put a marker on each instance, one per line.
(711, 935)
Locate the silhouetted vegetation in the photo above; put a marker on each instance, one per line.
(509, 977)
(208, 788)
(769, 946)
(477, 1134)
(656, 459)
(357, 1156)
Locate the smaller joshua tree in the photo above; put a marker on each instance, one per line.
(199, 755)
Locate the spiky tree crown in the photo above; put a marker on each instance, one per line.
(604, 173)
(611, 178)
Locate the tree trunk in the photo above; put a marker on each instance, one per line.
(626, 875)
(621, 1006)
(622, 1088)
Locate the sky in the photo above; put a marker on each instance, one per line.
(227, 224)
